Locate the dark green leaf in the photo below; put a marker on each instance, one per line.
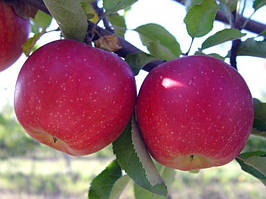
(135, 160)
(119, 24)
(259, 109)
(70, 17)
(159, 41)
(259, 124)
(221, 37)
(102, 184)
(251, 47)
(42, 19)
(258, 4)
(254, 164)
(263, 33)
(137, 60)
(119, 187)
(199, 19)
(112, 6)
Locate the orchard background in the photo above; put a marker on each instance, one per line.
(31, 170)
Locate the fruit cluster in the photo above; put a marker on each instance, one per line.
(193, 112)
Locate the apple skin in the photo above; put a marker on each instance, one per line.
(194, 112)
(14, 31)
(73, 97)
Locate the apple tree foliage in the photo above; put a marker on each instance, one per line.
(80, 20)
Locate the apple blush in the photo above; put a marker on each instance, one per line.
(194, 112)
(73, 97)
(14, 31)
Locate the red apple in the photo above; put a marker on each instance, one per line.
(194, 112)
(73, 97)
(14, 31)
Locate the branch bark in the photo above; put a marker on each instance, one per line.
(128, 48)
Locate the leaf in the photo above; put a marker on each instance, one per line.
(119, 187)
(221, 37)
(231, 4)
(119, 24)
(259, 109)
(199, 19)
(211, 54)
(263, 33)
(112, 6)
(168, 176)
(141, 193)
(70, 17)
(191, 3)
(137, 60)
(102, 184)
(29, 44)
(251, 47)
(89, 11)
(109, 42)
(254, 164)
(227, 12)
(159, 41)
(258, 4)
(42, 19)
(130, 161)
(259, 124)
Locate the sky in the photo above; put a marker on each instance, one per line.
(170, 15)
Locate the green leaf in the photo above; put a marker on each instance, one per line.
(230, 4)
(251, 47)
(70, 17)
(221, 37)
(211, 54)
(258, 4)
(119, 187)
(89, 11)
(254, 164)
(199, 19)
(112, 6)
(42, 19)
(137, 60)
(191, 3)
(227, 12)
(135, 160)
(259, 124)
(168, 176)
(119, 24)
(29, 44)
(102, 184)
(263, 33)
(159, 41)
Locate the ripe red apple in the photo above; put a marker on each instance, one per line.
(14, 31)
(73, 97)
(194, 112)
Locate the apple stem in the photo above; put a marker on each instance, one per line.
(190, 46)
(55, 139)
(191, 157)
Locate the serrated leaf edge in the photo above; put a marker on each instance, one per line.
(135, 136)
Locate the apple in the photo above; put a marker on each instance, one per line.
(73, 97)
(194, 112)
(14, 31)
